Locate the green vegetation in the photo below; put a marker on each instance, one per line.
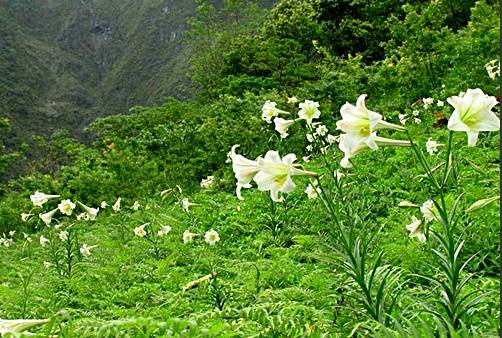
(339, 265)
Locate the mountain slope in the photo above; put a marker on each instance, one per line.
(64, 63)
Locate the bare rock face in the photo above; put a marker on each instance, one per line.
(64, 63)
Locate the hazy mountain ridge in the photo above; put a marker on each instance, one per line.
(64, 63)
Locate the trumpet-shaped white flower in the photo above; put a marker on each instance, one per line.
(27, 238)
(427, 102)
(310, 137)
(275, 174)
(429, 211)
(82, 216)
(43, 240)
(39, 198)
(269, 111)
(207, 182)
(140, 231)
(312, 191)
(47, 217)
(402, 119)
(135, 205)
(244, 171)
(432, 146)
(407, 204)
(85, 250)
(282, 126)
(440, 103)
(473, 114)
(164, 230)
(332, 139)
(211, 237)
(186, 204)
(309, 148)
(90, 212)
(417, 120)
(309, 110)
(26, 217)
(18, 327)
(482, 203)
(350, 149)
(66, 207)
(188, 236)
(292, 99)
(493, 69)
(361, 123)
(321, 130)
(415, 230)
(116, 206)
(63, 235)
(103, 205)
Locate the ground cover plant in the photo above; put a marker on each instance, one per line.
(309, 192)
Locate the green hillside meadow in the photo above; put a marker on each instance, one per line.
(321, 168)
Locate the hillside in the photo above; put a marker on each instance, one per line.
(65, 63)
(336, 174)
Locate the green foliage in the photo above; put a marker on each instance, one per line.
(277, 274)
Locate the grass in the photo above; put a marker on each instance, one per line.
(274, 273)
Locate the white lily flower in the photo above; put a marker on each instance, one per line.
(415, 113)
(321, 130)
(361, 123)
(103, 205)
(85, 250)
(312, 191)
(43, 240)
(90, 212)
(244, 171)
(140, 231)
(350, 149)
(12, 233)
(26, 217)
(309, 148)
(417, 120)
(188, 236)
(207, 182)
(63, 235)
(406, 204)
(309, 110)
(427, 102)
(292, 99)
(135, 205)
(332, 139)
(429, 211)
(39, 198)
(282, 126)
(186, 204)
(310, 137)
(47, 217)
(269, 111)
(82, 216)
(116, 206)
(164, 230)
(440, 103)
(482, 203)
(473, 114)
(275, 174)
(414, 229)
(402, 119)
(18, 327)
(211, 237)
(432, 146)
